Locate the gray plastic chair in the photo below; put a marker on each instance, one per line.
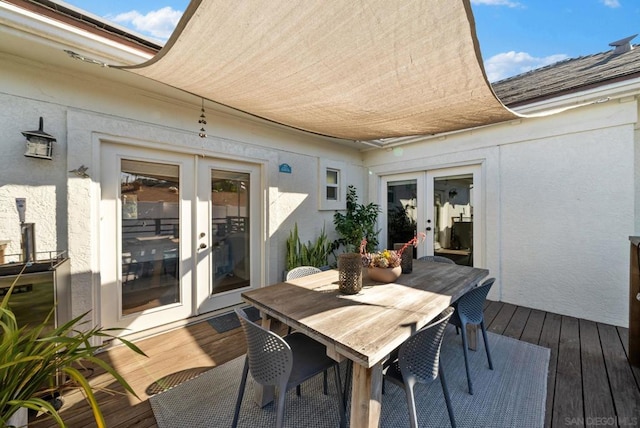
(300, 271)
(470, 310)
(437, 259)
(419, 362)
(282, 362)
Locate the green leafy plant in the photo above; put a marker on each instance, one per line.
(401, 226)
(310, 254)
(33, 357)
(357, 223)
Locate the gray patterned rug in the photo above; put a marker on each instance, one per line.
(511, 395)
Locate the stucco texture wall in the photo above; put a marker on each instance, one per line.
(567, 212)
(41, 181)
(81, 111)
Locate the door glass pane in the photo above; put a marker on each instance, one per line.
(229, 230)
(453, 210)
(401, 212)
(150, 197)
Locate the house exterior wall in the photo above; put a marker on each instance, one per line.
(560, 203)
(83, 111)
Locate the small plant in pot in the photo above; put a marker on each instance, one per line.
(33, 357)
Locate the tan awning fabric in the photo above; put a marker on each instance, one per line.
(359, 70)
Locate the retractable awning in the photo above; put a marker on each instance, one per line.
(358, 70)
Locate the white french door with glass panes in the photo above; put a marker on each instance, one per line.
(454, 221)
(174, 243)
(228, 223)
(443, 204)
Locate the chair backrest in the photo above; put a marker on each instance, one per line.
(419, 356)
(300, 271)
(437, 259)
(471, 305)
(270, 357)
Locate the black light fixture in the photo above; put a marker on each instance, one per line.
(39, 143)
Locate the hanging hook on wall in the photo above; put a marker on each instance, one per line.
(202, 122)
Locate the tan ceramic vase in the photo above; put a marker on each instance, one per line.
(385, 275)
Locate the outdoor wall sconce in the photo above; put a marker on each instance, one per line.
(39, 143)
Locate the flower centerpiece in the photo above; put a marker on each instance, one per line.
(385, 265)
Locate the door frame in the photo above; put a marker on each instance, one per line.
(109, 300)
(111, 240)
(476, 202)
(203, 300)
(425, 204)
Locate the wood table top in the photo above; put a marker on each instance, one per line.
(367, 326)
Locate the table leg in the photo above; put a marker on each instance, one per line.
(472, 337)
(264, 394)
(366, 396)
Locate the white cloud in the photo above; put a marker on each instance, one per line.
(501, 2)
(611, 3)
(511, 63)
(157, 23)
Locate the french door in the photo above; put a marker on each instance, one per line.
(177, 235)
(228, 216)
(444, 204)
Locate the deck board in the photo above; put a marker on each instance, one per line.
(533, 329)
(550, 338)
(568, 406)
(501, 320)
(626, 396)
(588, 361)
(597, 399)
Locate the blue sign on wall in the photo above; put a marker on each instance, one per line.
(285, 168)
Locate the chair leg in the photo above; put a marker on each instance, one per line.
(243, 383)
(325, 383)
(347, 381)
(447, 400)
(298, 391)
(486, 344)
(341, 399)
(463, 331)
(282, 395)
(411, 403)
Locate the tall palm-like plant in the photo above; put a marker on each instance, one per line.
(32, 358)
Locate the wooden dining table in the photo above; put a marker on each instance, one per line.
(365, 327)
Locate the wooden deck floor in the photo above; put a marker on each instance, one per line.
(590, 382)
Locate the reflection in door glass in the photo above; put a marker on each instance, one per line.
(229, 230)
(150, 197)
(401, 212)
(453, 231)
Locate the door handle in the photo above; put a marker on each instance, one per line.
(428, 229)
(203, 246)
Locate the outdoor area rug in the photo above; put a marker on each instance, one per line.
(511, 395)
(229, 321)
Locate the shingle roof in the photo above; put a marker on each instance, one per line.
(568, 76)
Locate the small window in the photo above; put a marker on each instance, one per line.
(331, 185)
(333, 180)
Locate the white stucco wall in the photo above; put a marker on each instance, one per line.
(81, 111)
(566, 217)
(560, 203)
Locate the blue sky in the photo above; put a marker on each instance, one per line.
(515, 35)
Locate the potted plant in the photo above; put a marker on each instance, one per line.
(32, 359)
(386, 265)
(358, 222)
